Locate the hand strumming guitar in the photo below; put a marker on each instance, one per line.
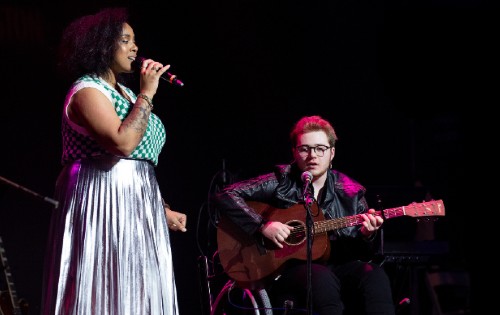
(276, 232)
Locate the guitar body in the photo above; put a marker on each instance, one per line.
(253, 261)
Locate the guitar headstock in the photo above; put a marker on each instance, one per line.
(433, 208)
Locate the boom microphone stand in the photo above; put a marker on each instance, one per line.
(55, 203)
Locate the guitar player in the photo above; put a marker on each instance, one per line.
(346, 282)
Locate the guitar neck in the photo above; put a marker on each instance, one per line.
(16, 310)
(425, 209)
(245, 261)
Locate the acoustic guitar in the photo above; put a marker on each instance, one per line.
(253, 261)
(9, 304)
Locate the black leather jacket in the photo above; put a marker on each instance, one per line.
(342, 196)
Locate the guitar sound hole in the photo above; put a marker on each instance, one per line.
(298, 234)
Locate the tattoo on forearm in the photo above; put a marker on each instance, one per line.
(138, 119)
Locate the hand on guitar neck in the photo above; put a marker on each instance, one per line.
(246, 263)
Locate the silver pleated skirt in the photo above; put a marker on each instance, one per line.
(108, 246)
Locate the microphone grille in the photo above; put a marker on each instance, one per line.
(137, 64)
(306, 176)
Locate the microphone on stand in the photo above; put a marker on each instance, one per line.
(307, 179)
(167, 76)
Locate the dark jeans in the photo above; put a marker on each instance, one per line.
(353, 288)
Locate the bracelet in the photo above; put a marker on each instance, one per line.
(147, 99)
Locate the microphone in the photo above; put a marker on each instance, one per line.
(307, 179)
(167, 76)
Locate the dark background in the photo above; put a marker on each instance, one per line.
(401, 81)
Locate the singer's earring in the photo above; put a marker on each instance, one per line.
(330, 165)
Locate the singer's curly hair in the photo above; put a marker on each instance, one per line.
(88, 43)
(313, 123)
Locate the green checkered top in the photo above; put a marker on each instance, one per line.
(76, 141)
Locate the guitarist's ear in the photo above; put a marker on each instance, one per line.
(333, 153)
(331, 158)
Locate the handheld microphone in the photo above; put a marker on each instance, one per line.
(167, 76)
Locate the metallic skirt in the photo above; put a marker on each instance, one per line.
(108, 245)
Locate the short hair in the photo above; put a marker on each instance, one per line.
(88, 43)
(313, 123)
